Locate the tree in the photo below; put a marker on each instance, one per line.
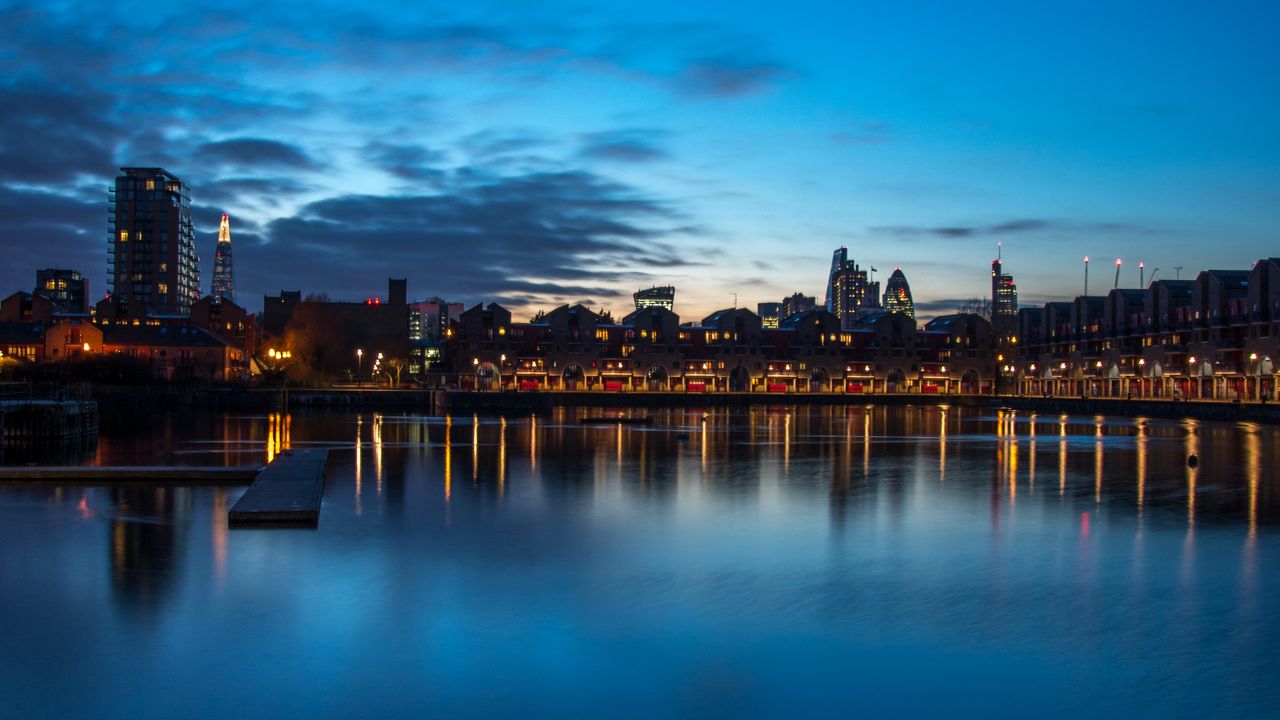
(976, 306)
(606, 317)
(539, 316)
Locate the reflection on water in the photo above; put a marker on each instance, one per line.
(776, 562)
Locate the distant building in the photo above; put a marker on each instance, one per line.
(849, 289)
(797, 304)
(429, 320)
(770, 314)
(151, 248)
(663, 296)
(897, 295)
(1004, 294)
(335, 339)
(66, 289)
(224, 279)
(26, 308)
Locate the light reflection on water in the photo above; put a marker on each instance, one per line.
(772, 562)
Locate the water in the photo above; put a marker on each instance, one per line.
(802, 562)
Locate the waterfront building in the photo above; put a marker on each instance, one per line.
(151, 249)
(849, 289)
(1214, 337)
(897, 295)
(176, 353)
(770, 314)
(663, 296)
(329, 339)
(68, 290)
(26, 307)
(224, 279)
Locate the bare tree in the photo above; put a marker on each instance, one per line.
(976, 306)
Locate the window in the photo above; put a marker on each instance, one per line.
(124, 236)
(151, 184)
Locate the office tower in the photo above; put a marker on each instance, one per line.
(224, 277)
(849, 289)
(897, 295)
(770, 314)
(797, 304)
(663, 297)
(1004, 294)
(66, 289)
(151, 251)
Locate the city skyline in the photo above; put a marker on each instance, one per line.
(726, 149)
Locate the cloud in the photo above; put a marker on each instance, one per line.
(44, 229)
(255, 152)
(627, 146)
(510, 238)
(412, 163)
(728, 78)
(1012, 227)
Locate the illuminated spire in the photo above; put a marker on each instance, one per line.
(224, 281)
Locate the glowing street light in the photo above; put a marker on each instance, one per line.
(359, 364)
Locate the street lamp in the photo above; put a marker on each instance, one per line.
(359, 364)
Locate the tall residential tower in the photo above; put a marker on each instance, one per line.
(849, 290)
(224, 277)
(151, 248)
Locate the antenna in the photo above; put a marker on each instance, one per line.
(735, 301)
(1179, 269)
(999, 248)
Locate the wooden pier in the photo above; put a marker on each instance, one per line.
(124, 474)
(286, 493)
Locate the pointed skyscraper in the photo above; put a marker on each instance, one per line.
(224, 279)
(897, 295)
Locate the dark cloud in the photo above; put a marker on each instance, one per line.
(538, 235)
(232, 192)
(412, 163)
(629, 146)
(54, 133)
(43, 229)
(1012, 227)
(255, 153)
(727, 78)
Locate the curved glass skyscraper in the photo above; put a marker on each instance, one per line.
(897, 295)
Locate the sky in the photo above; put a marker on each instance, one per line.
(535, 153)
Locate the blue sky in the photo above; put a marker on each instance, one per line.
(536, 153)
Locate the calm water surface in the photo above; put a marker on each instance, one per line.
(802, 562)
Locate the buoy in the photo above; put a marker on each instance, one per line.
(1193, 460)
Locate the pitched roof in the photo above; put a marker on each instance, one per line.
(162, 336)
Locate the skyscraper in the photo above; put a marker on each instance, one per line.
(224, 276)
(1004, 294)
(849, 289)
(897, 295)
(663, 297)
(151, 248)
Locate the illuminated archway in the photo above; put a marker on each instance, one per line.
(488, 377)
(574, 377)
(657, 378)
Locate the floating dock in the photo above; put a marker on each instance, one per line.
(117, 474)
(286, 493)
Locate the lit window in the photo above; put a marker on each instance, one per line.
(151, 184)
(162, 288)
(124, 236)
